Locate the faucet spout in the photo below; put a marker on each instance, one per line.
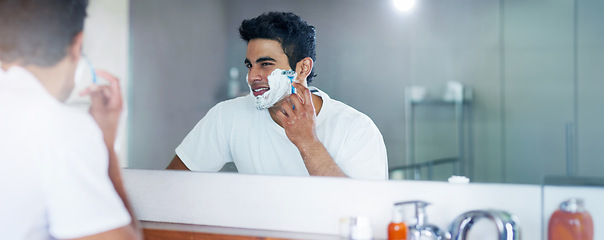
(507, 226)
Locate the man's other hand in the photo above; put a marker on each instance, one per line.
(106, 105)
(298, 117)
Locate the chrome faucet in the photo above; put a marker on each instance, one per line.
(506, 223)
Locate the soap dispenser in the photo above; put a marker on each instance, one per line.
(397, 230)
(418, 229)
(571, 222)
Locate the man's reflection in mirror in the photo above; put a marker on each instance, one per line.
(284, 126)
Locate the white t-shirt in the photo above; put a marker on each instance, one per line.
(235, 131)
(54, 179)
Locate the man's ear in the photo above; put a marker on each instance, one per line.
(303, 69)
(75, 50)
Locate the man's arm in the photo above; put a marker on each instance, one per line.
(177, 164)
(106, 109)
(298, 118)
(318, 161)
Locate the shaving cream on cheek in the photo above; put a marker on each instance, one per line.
(279, 87)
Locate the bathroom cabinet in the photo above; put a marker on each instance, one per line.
(175, 231)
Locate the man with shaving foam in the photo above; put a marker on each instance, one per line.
(284, 127)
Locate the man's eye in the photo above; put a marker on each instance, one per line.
(266, 64)
(247, 65)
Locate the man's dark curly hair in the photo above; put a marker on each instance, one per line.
(39, 32)
(297, 38)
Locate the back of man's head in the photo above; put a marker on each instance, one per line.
(297, 38)
(39, 32)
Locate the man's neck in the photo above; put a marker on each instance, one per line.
(4, 66)
(52, 78)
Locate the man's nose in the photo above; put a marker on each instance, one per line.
(254, 75)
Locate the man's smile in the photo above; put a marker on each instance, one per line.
(257, 91)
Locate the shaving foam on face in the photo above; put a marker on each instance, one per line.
(280, 86)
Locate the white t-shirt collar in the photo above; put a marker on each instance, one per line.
(17, 75)
(326, 102)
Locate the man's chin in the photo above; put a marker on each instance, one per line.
(262, 105)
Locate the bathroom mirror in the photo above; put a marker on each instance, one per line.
(532, 71)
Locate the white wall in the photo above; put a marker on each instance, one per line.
(178, 73)
(106, 45)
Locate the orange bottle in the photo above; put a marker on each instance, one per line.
(397, 230)
(571, 222)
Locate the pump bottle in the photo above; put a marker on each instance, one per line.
(571, 222)
(397, 230)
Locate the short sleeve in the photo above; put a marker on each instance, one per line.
(206, 147)
(81, 199)
(363, 154)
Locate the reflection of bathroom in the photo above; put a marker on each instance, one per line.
(533, 111)
(438, 133)
(475, 88)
